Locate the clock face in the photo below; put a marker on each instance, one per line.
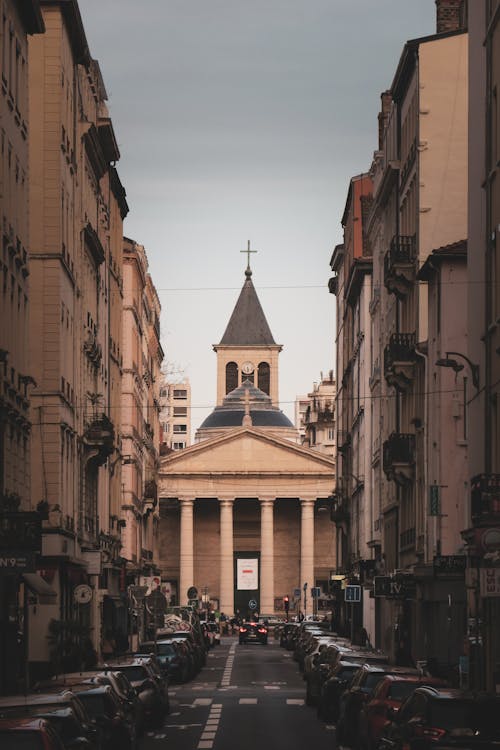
(82, 594)
(247, 368)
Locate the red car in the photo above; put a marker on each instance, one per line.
(28, 734)
(391, 691)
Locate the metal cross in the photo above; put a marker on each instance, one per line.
(248, 251)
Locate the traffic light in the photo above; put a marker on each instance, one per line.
(286, 602)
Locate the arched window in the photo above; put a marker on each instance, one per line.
(264, 377)
(231, 376)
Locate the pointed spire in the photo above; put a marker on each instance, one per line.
(248, 325)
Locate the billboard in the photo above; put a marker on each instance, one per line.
(247, 574)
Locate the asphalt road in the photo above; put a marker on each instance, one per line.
(248, 697)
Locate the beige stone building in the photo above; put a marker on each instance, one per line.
(241, 510)
(18, 21)
(175, 414)
(77, 206)
(317, 416)
(140, 414)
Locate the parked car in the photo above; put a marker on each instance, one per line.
(118, 732)
(74, 734)
(322, 665)
(215, 629)
(333, 687)
(174, 662)
(387, 697)
(360, 690)
(287, 632)
(29, 734)
(253, 632)
(444, 718)
(148, 690)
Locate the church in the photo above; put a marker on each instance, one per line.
(242, 511)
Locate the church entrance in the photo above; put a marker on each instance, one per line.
(246, 584)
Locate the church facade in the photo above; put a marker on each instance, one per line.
(243, 510)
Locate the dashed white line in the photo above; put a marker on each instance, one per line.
(247, 701)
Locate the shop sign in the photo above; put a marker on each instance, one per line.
(490, 581)
(397, 587)
(16, 562)
(449, 564)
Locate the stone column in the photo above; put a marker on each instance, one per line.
(267, 555)
(186, 576)
(306, 547)
(226, 603)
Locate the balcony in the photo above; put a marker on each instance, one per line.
(399, 265)
(485, 499)
(399, 457)
(399, 361)
(99, 438)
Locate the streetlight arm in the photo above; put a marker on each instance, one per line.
(473, 368)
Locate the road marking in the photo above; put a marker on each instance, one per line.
(295, 701)
(202, 701)
(272, 687)
(248, 701)
(206, 744)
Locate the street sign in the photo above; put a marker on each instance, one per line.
(315, 592)
(296, 593)
(252, 604)
(352, 594)
(192, 592)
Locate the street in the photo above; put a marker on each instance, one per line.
(248, 696)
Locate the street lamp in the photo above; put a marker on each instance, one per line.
(447, 361)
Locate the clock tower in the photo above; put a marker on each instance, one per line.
(247, 350)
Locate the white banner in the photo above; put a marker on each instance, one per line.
(247, 574)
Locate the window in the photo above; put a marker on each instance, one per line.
(180, 411)
(178, 446)
(231, 376)
(180, 429)
(264, 381)
(180, 393)
(331, 433)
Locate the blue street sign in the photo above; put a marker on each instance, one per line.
(296, 593)
(352, 594)
(315, 592)
(252, 604)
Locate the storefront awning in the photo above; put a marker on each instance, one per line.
(44, 592)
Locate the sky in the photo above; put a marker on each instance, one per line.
(243, 121)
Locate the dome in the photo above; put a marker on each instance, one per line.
(232, 410)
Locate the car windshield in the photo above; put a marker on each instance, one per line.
(452, 714)
(398, 691)
(135, 673)
(346, 673)
(165, 649)
(19, 740)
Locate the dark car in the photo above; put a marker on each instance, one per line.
(323, 663)
(444, 718)
(29, 734)
(253, 632)
(149, 692)
(360, 690)
(332, 688)
(117, 732)
(172, 659)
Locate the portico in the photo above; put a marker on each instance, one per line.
(245, 493)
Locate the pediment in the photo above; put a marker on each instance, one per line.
(247, 451)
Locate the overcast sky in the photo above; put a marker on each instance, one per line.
(243, 121)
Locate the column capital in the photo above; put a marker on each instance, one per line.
(226, 502)
(185, 501)
(266, 501)
(307, 500)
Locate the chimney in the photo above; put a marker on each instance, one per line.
(383, 116)
(449, 15)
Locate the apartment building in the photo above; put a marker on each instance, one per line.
(175, 415)
(481, 532)
(352, 284)
(407, 533)
(18, 22)
(140, 414)
(77, 206)
(317, 418)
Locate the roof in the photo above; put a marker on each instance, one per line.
(456, 251)
(248, 325)
(232, 410)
